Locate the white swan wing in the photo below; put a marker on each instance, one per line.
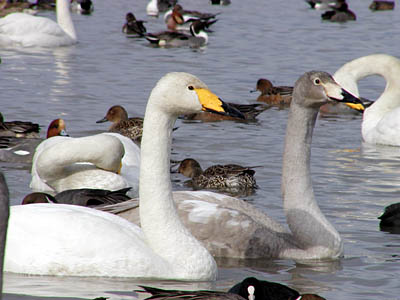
(386, 131)
(79, 241)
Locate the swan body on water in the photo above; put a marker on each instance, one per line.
(79, 241)
(244, 231)
(21, 29)
(381, 120)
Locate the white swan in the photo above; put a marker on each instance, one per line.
(79, 241)
(245, 232)
(381, 121)
(64, 163)
(31, 31)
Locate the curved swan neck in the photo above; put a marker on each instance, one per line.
(64, 18)
(4, 213)
(305, 220)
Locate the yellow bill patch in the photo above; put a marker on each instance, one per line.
(209, 100)
(356, 106)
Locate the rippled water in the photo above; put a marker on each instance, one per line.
(278, 40)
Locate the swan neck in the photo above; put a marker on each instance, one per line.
(308, 225)
(64, 18)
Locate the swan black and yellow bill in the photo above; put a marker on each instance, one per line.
(336, 93)
(211, 103)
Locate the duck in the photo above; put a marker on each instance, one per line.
(133, 27)
(83, 7)
(87, 242)
(322, 4)
(228, 177)
(154, 7)
(390, 219)
(21, 150)
(250, 112)
(250, 288)
(340, 13)
(381, 5)
(4, 216)
(18, 129)
(65, 163)
(243, 230)
(35, 31)
(380, 120)
(220, 2)
(198, 37)
(179, 19)
(83, 197)
(129, 127)
(273, 95)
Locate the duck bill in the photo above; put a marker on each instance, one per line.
(102, 120)
(336, 93)
(211, 103)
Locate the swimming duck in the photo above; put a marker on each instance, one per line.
(274, 95)
(322, 4)
(390, 219)
(381, 5)
(133, 26)
(129, 127)
(250, 112)
(83, 197)
(222, 177)
(380, 124)
(7, 7)
(244, 231)
(87, 242)
(198, 37)
(154, 7)
(21, 149)
(179, 19)
(340, 13)
(18, 129)
(250, 288)
(220, 2)
(84, 7)
(20, 29)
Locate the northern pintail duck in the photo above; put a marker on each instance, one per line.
(180, 20)
(250, 112)
(84, 7)
(82, 197)
(18, 129)
(222, 177)
(390, 219)
(154, 7)
(198, 37)
(340, 13)
(133, 26)
(22, 149)
(249, 289)
(381, 5)
(129, 127)
(274, 95)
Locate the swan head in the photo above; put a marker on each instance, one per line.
(179, 93)
(316, 88)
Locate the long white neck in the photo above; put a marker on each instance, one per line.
(159, 220)
(64, 18)
(308, 225)
(4, 213)
(378, 64)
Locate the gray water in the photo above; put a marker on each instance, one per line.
(279, 40)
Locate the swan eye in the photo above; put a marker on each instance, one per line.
(190, 87)
(317, 81)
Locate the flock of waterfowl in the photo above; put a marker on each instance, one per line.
(165, 234)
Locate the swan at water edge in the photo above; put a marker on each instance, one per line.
(86, 242)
